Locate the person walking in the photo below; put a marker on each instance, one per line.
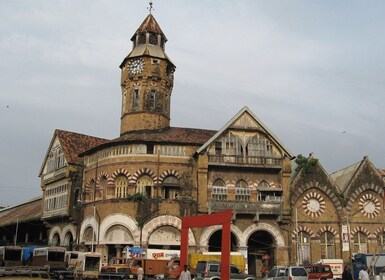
(347, 274)
(185, 274)
(363, 275)
(140, 272)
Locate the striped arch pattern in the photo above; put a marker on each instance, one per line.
(104, 174)
(221, 177)
(379, 231)
(360, 190)
(120, 171)
(170, 172)
(369, 198)
(302, 228)
(247, 180)
(307, 199)
(359, 229)
(329, 228)
(327, 191)
(88, 188)
(140, 172)
(271, 183)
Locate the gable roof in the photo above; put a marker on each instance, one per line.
(262, 127)
(343, 177)
(72, 144)
(169, 135)
(23, 212)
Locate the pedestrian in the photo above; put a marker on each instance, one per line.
(185, 274)
(363, 275)
(140, 272)
(347, 274)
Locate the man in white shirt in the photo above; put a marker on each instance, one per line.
(186, 275)
(363, 275)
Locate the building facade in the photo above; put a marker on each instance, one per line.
(133, 191)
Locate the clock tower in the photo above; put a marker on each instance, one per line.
(147, 77)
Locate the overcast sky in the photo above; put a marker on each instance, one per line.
(312, 71)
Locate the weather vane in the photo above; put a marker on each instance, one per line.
(150, 8)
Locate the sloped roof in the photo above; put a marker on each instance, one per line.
(381, 171)
(170, 135)
(73, 144)
(24, 212)
(260, 123)
(344, 176)
(149, 25)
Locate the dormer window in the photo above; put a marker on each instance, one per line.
(153, 40)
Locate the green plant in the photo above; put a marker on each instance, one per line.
(136, 197)
(305, 163)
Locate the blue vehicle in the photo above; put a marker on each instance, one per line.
(374, 262)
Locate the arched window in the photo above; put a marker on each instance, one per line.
(170, 188)
(381, 239)
(121, 186)
(55, 240)
(328, 250)
(103, 187)
(145, 186)
(360, 242)
(304, 247)
(219, 190)
(242, 191)
(89, 235)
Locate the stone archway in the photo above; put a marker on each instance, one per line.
(261, 253)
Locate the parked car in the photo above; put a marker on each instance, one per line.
(208, 270)
(117, 273)
(319, 272)
(288, 273)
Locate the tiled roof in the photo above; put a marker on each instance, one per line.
(180, 135)
(24, 212)
(170, 135)
(74, 144)
(150, 25)
(342, 177)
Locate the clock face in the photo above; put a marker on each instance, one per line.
(313, 205)
(369, 205)
(136, 66)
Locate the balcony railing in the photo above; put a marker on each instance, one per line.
(272, 207)
(245, 160)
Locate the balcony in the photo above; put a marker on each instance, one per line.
(271, 207)
(252, 161)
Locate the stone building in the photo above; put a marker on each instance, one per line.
(133, 191)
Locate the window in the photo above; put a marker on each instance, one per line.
(327, 245)
(360, 242)
(170, 188)
(135, 98)
(304, 247)
(151, 99)
(219, 190)
(121, 187)
(145, 186)
(242, 191)
(153, 39)
(381, 239)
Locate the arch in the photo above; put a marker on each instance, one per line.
(68, 229)
(276, 233)
(54, 230)
(221, 177)
(330, 229)
(122, 220)
(68, 239)
(140, 172)
(360, 229)
(106, 175)
(89, 221)
(166, 173)
(165, 220)
(302, 228)
(358, 191)
(118, 172)
(325, 189)
(207, 232)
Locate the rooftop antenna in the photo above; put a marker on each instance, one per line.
(150, 8)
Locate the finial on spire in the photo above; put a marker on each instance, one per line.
(150, 8)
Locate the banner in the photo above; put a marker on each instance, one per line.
(345, 238)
